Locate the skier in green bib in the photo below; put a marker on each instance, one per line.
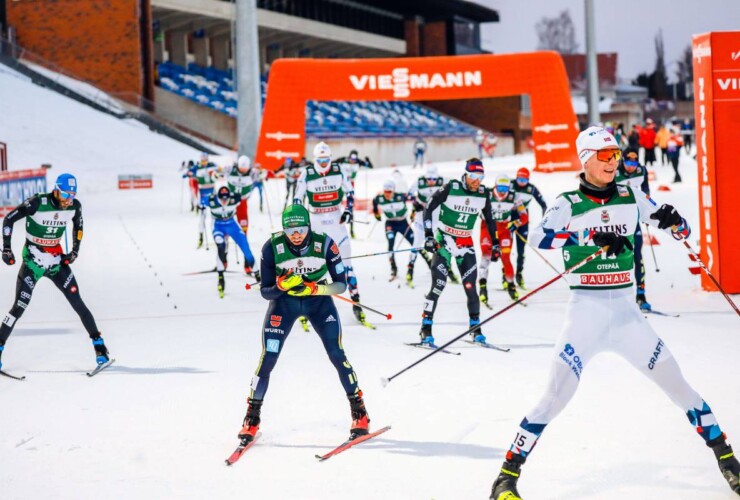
(46, 217)
(393, 206)
(601, 315)
(460, 203)
(301, 270)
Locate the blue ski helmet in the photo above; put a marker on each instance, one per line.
(66, 183)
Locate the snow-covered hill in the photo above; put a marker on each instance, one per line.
(161, 421)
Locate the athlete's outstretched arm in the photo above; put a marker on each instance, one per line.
(552, 231)
(268, 280)
(537, 195)
(300, 188)
(648, 207)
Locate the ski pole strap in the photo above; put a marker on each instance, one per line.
(499, 313)
(696, 257)
(385, 253)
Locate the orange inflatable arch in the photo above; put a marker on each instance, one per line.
(541, 75)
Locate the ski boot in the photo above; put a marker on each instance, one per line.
(476, 335)
(394, 270)
(520, 280)
(483, 290)
(251, 421)
(200, 241)
(511, 288)
(410, 276)
(360, 419)
(728, 463)
(426, 331)
(221, 284)
(304, 323)
(101, 352)
(642, 302)
(504, 488)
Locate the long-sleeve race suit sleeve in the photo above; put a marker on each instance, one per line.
(349, 190)
(337, 271)
(434, 202)
(552, 232)
(25, 209)
(537, 195)
(300, 188)
(77, 226)
(268, 274)
(489, 221)
(647, 207)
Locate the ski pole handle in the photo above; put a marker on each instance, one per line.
(585, 261)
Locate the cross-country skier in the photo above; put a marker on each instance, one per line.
(509, 213)
(420, 193)
(301, 270)
(600, 315)
(393, 206)
(258, 179)
(526, 192)
(292, 170)
(223, 204)
(324, 185)
(459, 204)
(205, 173)
(351, 166)
(420, 148)
(631, 173)
(47, 216)
(240, 181)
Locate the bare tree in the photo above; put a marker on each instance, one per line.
(685, 70)
(659, 77)
(557, 33)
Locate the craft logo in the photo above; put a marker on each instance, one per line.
(402, 83)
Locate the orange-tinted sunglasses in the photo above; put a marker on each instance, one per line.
(607, 154)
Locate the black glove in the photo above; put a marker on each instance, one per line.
(70, 257)
(667, 216)
(377, 216)
(346, 217)
(430, 244)
(8, 256)
(418, 207)
(369, 163)
(495, 251)
(615, 242)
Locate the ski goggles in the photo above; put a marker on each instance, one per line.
(631, 163)
(323, 162)
(502, 189)
(66, 195)
(301, 230)
(522, 180)
(606, 155)
(475, 176)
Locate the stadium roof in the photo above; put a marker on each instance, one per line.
(439, 9)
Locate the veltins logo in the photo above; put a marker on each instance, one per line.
(402, 83)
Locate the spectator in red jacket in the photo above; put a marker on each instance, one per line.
(647, 141)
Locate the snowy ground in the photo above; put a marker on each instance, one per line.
(161, 421)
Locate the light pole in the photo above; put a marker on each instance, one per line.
(592, 66)
(249, 111)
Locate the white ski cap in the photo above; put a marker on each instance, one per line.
(322, 150)
(593, 139)
(389, 185)
(243, 161)
(432, 171)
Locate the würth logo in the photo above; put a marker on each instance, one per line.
(401, 82)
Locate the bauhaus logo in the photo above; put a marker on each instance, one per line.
(402, 83)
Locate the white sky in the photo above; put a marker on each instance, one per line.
(627, 27)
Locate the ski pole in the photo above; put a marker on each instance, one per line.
(267, 204)
(388, 316)
(696, 258)
(539, 254)
(647, 231)
(585, 261)
(350, 301)
(384, 253)
(360, 221)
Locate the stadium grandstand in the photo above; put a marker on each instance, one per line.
(177, 60)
